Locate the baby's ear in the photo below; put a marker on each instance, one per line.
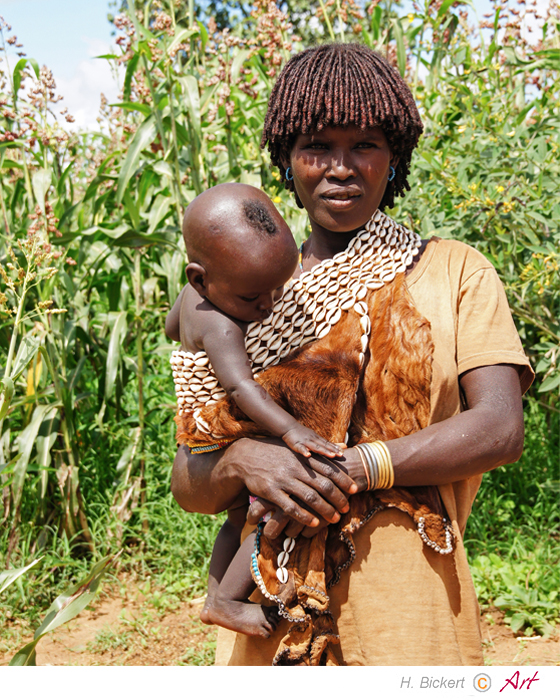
(196, 275)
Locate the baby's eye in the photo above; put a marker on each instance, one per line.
(249, 299)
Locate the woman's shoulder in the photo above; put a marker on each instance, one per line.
(457, 250)
(457, 259)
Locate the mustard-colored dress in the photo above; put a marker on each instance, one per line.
(400, 603)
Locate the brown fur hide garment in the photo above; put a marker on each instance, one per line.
(321, 385)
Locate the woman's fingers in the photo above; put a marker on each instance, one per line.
(293, 529)
(258, 509)
(311, 531)
(273, 472)
(335, 471)
(275, 526)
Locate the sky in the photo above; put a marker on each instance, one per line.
(66, 35)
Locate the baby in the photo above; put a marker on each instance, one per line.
(241, 254)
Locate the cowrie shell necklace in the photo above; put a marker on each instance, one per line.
(308, 309)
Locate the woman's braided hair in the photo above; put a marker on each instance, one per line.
(337, 85)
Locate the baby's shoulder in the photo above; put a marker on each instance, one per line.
(201, 320)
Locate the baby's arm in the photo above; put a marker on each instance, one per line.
(223, 340)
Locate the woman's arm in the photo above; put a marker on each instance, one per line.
(485, 436)
(488, 434)
(211, 482)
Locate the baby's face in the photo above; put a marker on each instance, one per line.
(245, 283)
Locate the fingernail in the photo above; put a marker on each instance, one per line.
(353, 488)
(345, 509)
(336, 517)
(314, 522)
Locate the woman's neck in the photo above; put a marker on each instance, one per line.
(322, 245)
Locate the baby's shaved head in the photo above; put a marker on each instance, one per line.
(231, 217)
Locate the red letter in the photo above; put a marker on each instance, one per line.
(510, 681)
(534, 678)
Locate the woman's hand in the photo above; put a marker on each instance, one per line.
(280, 521)
(305, 489)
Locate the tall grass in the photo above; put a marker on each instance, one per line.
(91, 258)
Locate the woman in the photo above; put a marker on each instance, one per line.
(341, 126)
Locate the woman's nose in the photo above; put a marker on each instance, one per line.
(341, 165)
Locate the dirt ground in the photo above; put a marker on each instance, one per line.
(126, 631)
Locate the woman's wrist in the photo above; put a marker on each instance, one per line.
(355, 468)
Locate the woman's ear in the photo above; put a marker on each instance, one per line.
(196, 275)
(288, 184)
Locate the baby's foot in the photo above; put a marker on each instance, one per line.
(247, 618)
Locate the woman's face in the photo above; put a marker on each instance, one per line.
(340, 175)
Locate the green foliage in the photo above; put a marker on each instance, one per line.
(513, 534)
(91, 257)
(63, 609)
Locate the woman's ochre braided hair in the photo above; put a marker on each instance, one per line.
(338, 85)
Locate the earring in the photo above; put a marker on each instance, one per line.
(392, 175)
(288, 176)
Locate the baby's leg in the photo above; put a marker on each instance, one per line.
(229, 607)
(225, 548)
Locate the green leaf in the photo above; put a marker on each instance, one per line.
(158, 211)
(401, 49)
(18, 71)
(66, 607)
(132, 210)
(237, 63)
(192, 98)
(146, 110)
(26, 442)
(7, 388)
(144, 136)
(27, 350)
(130, 70)
(550, 383)
(114, 352)
(376, 22)
(203, 35)
(163, 168)
(41, 180)
(8, 576)
(444, 7)
(48, 432)
(180, 37)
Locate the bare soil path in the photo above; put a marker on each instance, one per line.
(127, 631)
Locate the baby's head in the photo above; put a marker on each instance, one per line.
(241, 251)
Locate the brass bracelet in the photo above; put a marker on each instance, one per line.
(385, 464)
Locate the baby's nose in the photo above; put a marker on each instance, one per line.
(266, 301)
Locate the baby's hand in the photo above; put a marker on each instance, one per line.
(304, 441)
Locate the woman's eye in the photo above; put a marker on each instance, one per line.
(366, 144)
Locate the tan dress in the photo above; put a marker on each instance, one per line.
(400, 603)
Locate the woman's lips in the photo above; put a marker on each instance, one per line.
(340, 200)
